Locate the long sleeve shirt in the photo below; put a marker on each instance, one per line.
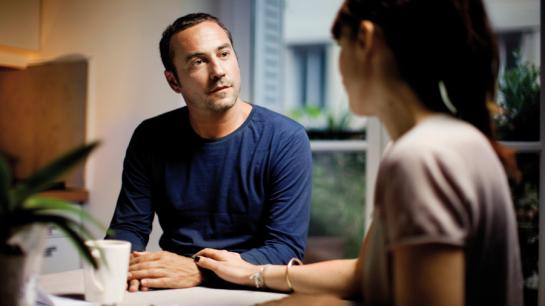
(248, 192)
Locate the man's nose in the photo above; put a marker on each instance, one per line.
(217, 70)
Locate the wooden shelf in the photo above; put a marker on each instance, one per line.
(77, 195)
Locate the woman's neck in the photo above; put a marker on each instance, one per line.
(401, 110)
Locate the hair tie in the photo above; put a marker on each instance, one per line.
(445, 98)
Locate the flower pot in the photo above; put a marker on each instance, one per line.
(20, 271)
(18, 287)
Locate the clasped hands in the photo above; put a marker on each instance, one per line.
(169, 270)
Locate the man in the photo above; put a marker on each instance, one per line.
(219, 173)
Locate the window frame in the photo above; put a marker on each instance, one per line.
(541, 264)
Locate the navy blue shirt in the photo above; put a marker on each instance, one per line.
(248, 192)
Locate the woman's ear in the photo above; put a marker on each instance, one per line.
(366, 35)
(173, 81)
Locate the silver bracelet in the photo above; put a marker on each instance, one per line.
(292, 261)
(259, 277)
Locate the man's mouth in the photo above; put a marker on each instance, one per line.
(219, 88)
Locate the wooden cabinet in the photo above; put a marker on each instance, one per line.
(42, 115)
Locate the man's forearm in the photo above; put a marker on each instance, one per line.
(271, 254)
(137, 243)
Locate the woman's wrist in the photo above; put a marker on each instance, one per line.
(274, 277)
(258, 277)
(292, 262)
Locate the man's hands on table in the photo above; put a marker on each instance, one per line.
(161, 270)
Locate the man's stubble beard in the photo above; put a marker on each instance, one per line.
(222, 107)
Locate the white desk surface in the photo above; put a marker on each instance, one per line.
(66, 288)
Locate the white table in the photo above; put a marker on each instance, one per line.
(66, 288)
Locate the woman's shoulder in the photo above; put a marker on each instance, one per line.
(440, 134)
(442, 142)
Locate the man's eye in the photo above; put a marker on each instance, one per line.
(197, 62)
(224, 54)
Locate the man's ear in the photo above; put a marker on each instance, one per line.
(173, 81)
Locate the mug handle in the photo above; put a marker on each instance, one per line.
(96, 282)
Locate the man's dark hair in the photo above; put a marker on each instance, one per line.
(180, 24)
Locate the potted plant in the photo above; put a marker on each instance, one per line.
(24, 221)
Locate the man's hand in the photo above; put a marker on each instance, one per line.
(133, 285)
(161, 270)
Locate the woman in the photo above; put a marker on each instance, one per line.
(443, 231)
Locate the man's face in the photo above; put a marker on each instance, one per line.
(207, 67)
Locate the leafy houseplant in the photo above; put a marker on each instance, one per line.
(24, 217)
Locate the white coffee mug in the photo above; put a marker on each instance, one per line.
(107, 284)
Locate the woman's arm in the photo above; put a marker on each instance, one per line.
(429, 274)
(337, 277)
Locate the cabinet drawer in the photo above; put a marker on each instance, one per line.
(60, 255)
(55, 232)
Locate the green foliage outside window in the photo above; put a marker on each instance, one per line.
(323, 124)
(338, 198)
(518, 120)
(518, 116)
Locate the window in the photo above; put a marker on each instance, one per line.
(311, 93)
(309, 71)
(268, 53)
(518, 126)
(338, 200)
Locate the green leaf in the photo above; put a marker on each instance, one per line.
(312, 111)
(50, 205)
(76, 239)
(47, 175)
(83, 231)
(5, 179)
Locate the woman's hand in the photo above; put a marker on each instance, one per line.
(227, 265)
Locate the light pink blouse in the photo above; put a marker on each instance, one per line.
(442, 183)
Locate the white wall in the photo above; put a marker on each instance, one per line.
(18, 17)
(126, 85)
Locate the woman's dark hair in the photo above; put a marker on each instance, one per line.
(433, 41)
(179, 25)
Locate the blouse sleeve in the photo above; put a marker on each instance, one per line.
(424, 196)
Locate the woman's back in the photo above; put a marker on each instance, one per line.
(442, 183)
